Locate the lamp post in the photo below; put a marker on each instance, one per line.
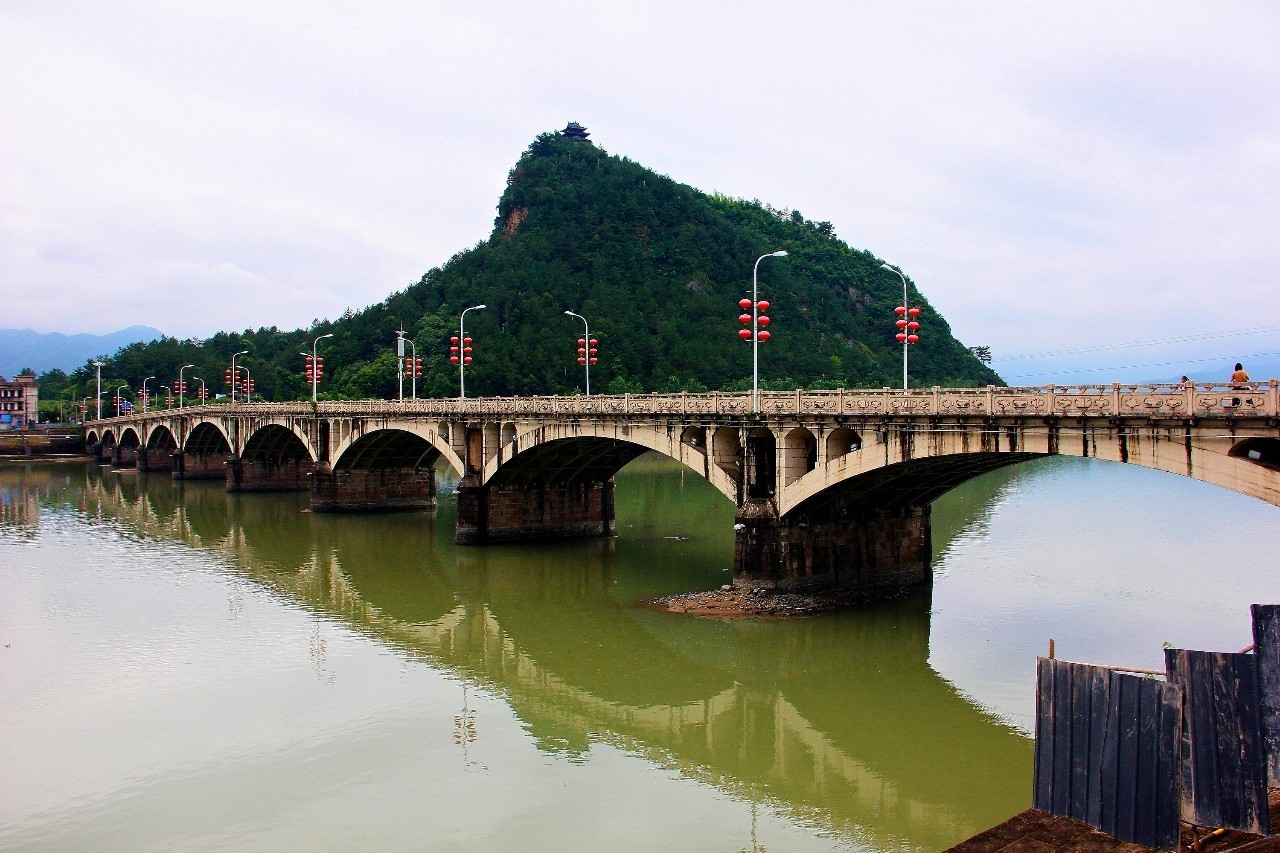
(182, 386)
(907, 323)
(413, 374)
(247, 386)
(231, 374)
(400, 361)
(463, 357)
(145, 398)
(168, 402)
(204, 390)
(98, 365)
(755, 327)
(586, 349)
(315, 366)
(120, 399)
(84, 409)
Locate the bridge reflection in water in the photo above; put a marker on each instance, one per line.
(837, 720)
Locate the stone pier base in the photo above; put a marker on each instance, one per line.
(155, 460)
(373, 491)
(268, 475)
(124, 457)
(874, 551)
(511, 513)
(199, 466)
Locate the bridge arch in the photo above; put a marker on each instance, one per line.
(91, 437)
(129, 438)
(161, 438)
(207, 437)
(578, 452)
(393, 446)
(278, 442)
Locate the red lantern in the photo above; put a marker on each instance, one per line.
(582, 350)
(453, 350)
(899, 310)
(913, 325)
(763, 305)
(914, 312)
(744, 318)
(764, 335)
(453, 359)
(900, 337)
(911, 339)
(594, 360)
(467, 341)
(745, 334)
(764, 321)
(582, 361)
(594, 342)
(453, 340)
(901, 324)
(467, 360)
(744, 304)
(467, 350)
(582, 342)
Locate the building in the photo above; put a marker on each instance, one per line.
(19, 402)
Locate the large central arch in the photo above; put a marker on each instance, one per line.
(382, 470)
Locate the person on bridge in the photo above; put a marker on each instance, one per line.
(1240, 379)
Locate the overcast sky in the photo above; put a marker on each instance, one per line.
(1052, 175)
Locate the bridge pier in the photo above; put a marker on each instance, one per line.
(125, 456)
(540, 510)
(267, 474)
(380, 490)
(150, 460)
(198, 466)
(873, 551)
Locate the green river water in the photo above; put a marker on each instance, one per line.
(184, 669)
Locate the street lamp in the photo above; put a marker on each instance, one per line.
(247, 385)
(84, 409)
(907, 322)
(231, 374)
(145, 398)
(120, 399)
(168, 402)
(98, 365)
(755, 327)
(463, 346)
(315, 366)
(586, 349)
(415, 372)
(204, 390)
(182, 386)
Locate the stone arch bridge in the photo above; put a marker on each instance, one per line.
(833, 488)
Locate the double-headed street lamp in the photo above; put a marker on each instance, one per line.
(463, 355)
(315, 366)
(755, 328)
(182, 386)
(586, 349)
(98, 365)
(232, 373)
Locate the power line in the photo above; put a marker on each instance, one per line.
(1205, 336)
(1149, 364)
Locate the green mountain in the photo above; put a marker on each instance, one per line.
(658, 268)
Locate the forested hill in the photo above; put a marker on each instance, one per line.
(656, 266)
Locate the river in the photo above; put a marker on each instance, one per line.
(184, 669)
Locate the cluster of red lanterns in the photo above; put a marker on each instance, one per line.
(315, 369)
(908, 324)
(745, 319)
(203, 393)
(455, 353)
(413, 366)
(587, 351)
(180, 386)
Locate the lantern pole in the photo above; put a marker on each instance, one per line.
(234, 374)
(315, 372)
(413, 374)
(586, 346)
(182, 385)
(906, 345)
(144, 393)
(755, 328)
(462, 351)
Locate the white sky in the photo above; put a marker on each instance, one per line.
(1051, 174)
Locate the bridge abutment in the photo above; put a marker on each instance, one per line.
(875, 551)
(382, 490)
(540, 510)
(268, 474)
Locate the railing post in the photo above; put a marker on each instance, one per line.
(991, 400)
(797, 411)
(1053, 398)
(1115, 399)
(840, 400)
(1273, 398)
(937, 400)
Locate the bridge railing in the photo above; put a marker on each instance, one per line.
(1201, 400)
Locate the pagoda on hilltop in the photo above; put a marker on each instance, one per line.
(573, 130)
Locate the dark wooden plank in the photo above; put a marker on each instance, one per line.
(1099, 705)
(1145, 787)
(1081, 721)
(1042, 785)
(1064, 719)
(1124, 690)
(1266, 656)
(1167, 767)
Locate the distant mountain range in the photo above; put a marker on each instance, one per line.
(44, 351)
